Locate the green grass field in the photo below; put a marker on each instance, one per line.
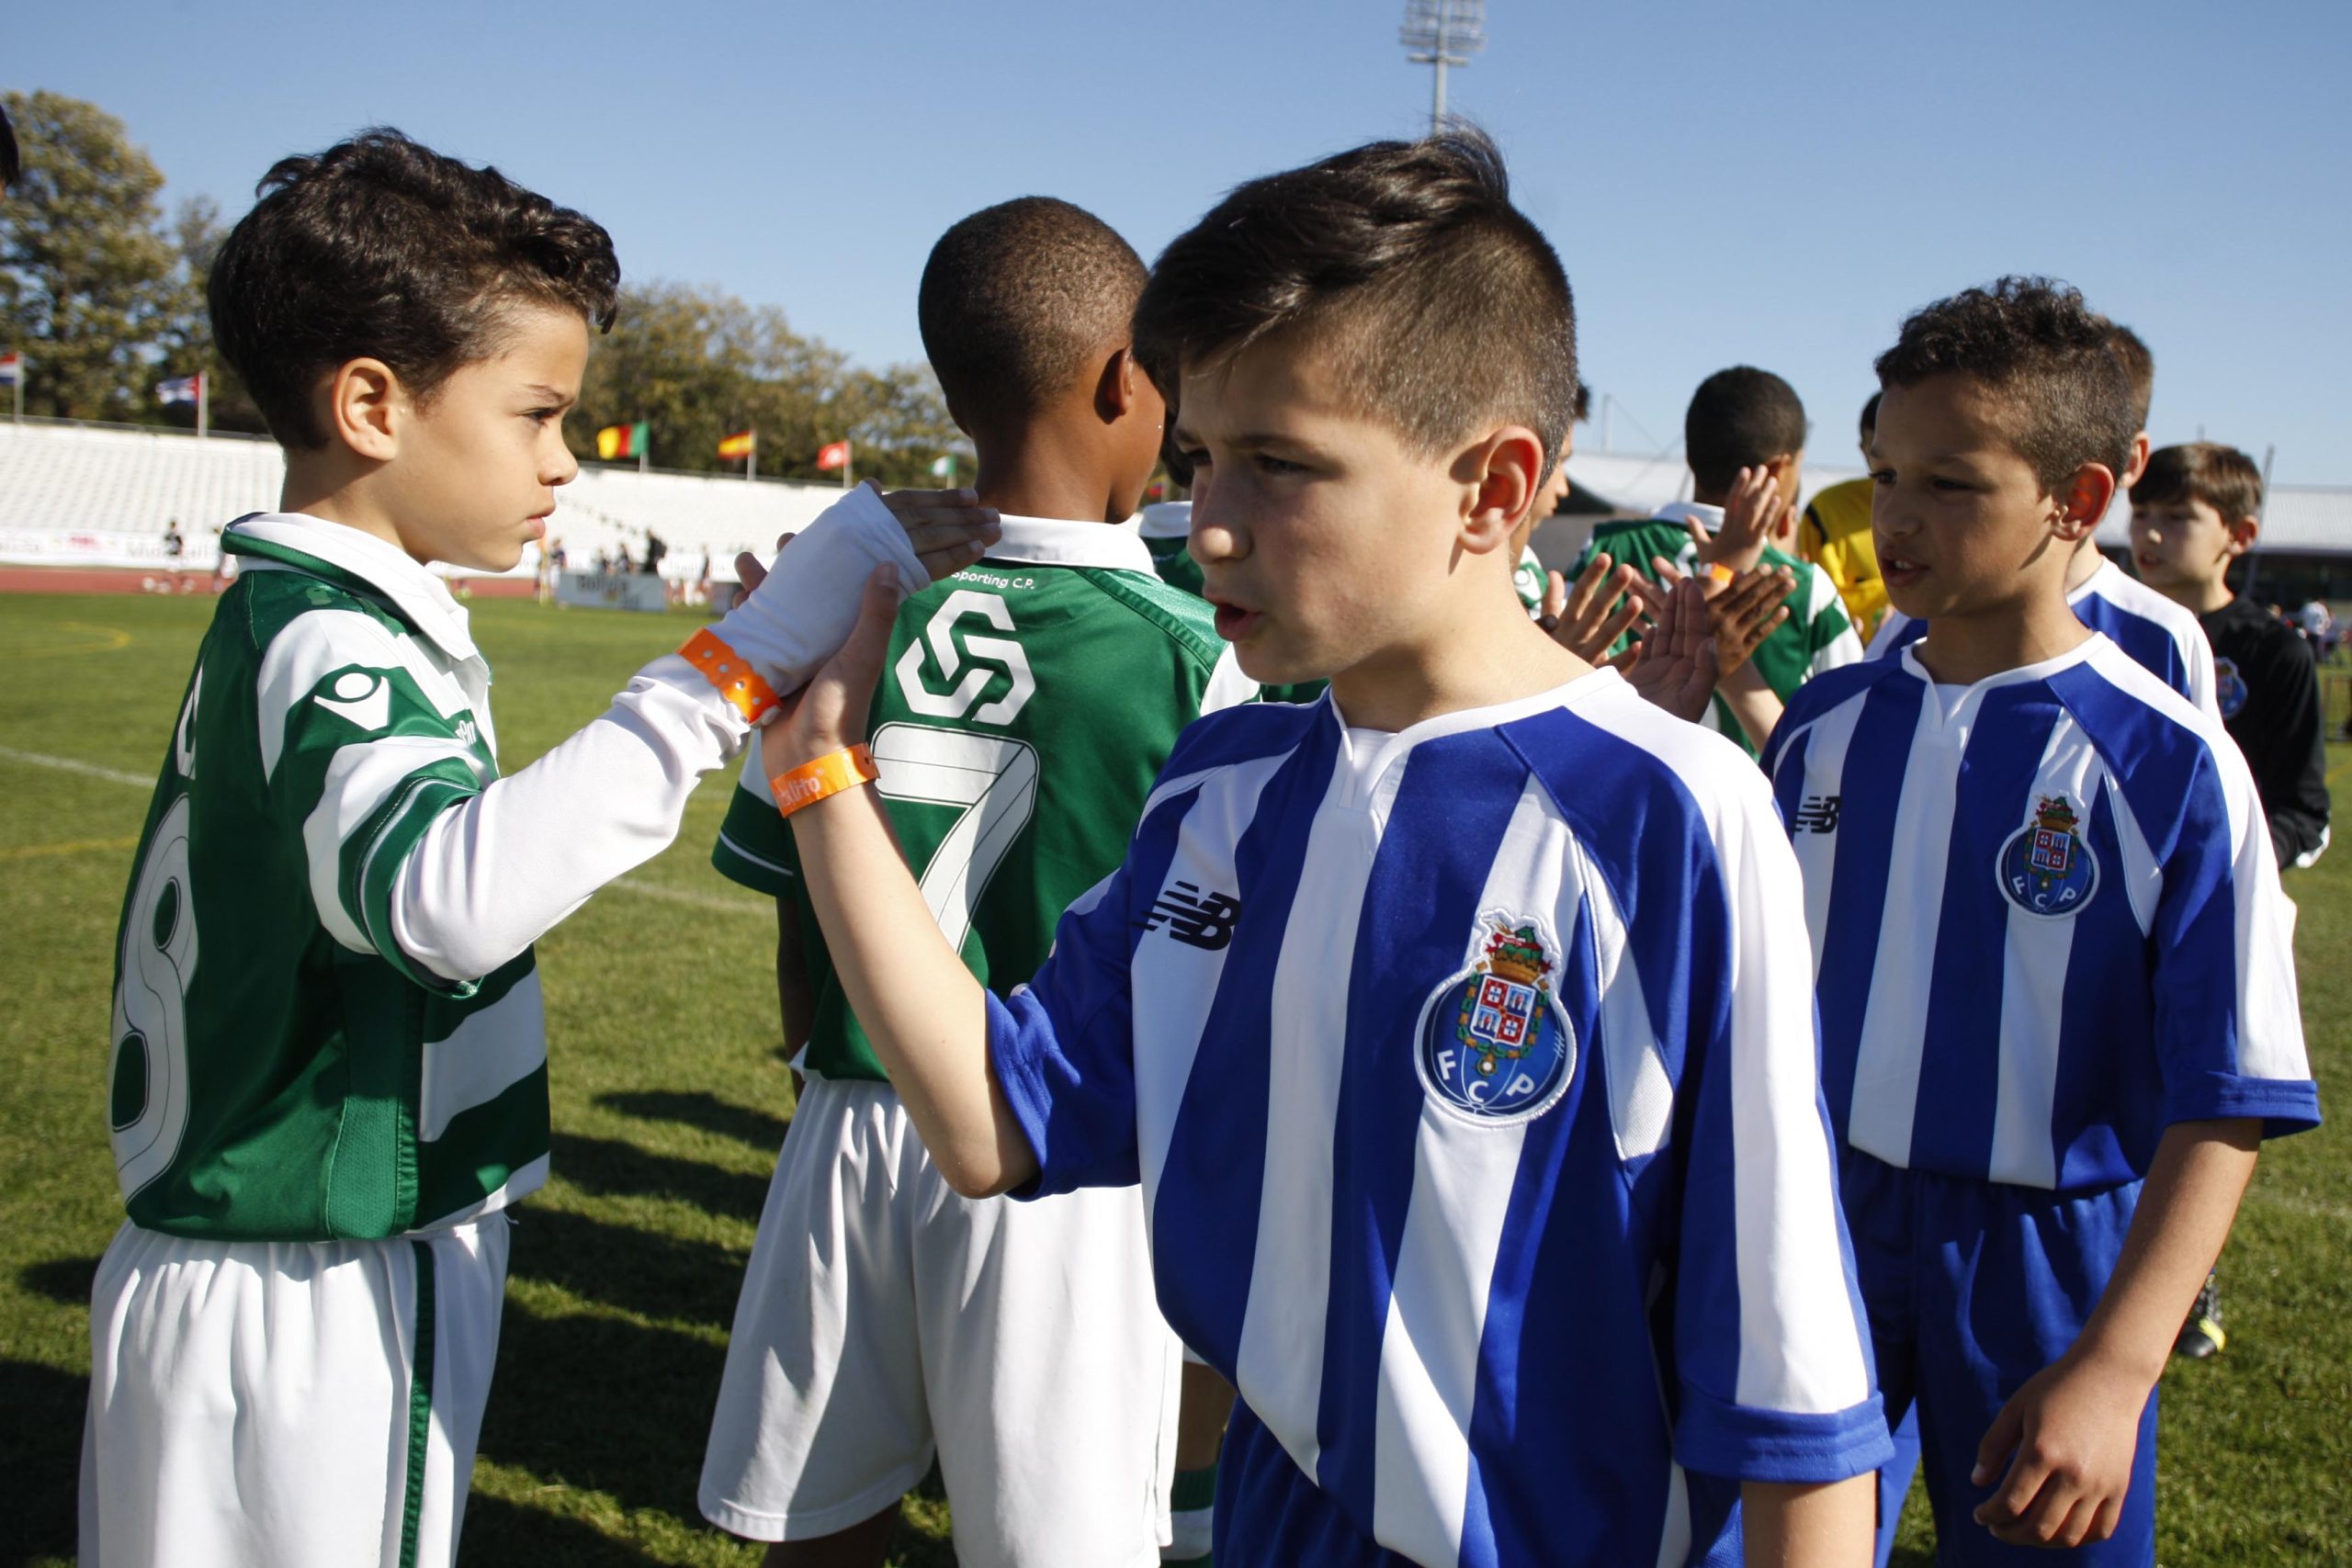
(671, 1095)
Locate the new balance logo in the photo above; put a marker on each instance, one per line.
(1818, 814)
(1196, 919)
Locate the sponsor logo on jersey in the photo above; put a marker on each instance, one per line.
(991, 658)
(1494, 1045)
(2046, 869)
(360, 698)
(1818, 813)
(2229, 687)
(1200, 919)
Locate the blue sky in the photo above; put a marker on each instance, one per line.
(1726, 182)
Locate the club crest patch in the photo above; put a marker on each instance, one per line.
(2229, 687)
(1494, 1044)
(2046, 868)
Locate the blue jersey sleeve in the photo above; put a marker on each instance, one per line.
(1064, 1049)
(1771, 1354)
(2228, 1022)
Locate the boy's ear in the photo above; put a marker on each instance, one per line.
(1120, 385)
(2082, 499)
(365, 406)
(1505, 474)
(2243, 533)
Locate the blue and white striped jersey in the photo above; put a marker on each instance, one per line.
(2162, 636)
(2050, 908)
(1470, 1074)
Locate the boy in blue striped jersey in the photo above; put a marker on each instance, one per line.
(1434, 1017)
(2073, 1015)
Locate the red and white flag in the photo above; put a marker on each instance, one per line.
(833, 454)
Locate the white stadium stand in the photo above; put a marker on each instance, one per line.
(88, 496)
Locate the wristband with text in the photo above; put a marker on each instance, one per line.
(829, 774)
(741, 686)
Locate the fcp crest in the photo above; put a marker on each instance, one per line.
(1494, 1044)
(2046, 869)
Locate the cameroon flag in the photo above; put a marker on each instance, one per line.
(624, 440)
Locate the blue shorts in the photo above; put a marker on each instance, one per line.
(1972, 1287)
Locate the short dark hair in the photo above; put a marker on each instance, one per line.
(2044, 353)
(2139, 370)
(1740, 418)
(1869, 416)
(381, 247)
(2221, 477)
(1016, 296)
(1446, 306)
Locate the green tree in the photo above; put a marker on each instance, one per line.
(186, 345)
(87, 277)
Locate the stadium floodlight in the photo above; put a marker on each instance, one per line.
(1440, 33)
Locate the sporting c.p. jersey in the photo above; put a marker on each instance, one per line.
(1026, 706)
(2051, 908)
(1423, 1049)
(1817, 636)
(280, 1069)
(2161, 637)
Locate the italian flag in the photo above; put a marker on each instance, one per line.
(624, 440)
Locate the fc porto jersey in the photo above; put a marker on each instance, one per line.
(2161, 636)
(2052, 905)
(1477, 1116)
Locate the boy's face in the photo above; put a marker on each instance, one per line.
(2185, 543)
(1962, 524)
(473, 478)
(1322, 537)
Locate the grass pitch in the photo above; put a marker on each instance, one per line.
(671, 1096)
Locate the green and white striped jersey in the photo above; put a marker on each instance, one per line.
(281, 1070)
(1025, 711)
(1529, 580)
(1817, 636)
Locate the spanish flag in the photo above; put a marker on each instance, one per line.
(739, 445)
(623, 441)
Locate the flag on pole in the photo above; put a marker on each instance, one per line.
(181, 390)
(738, 445)
(12, 369)
(624, 440)
(945, 467)
(833, 454)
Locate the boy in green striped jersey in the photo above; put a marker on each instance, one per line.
(1743, 435)
(328, 1074)
(1031, 702)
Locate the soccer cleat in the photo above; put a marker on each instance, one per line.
(2201, 1337)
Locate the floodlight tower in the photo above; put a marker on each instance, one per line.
(1440, 33)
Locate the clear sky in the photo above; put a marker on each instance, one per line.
(1726, 181)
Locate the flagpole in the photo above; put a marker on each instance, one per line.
(849, 452)
(645, 451)
(751, 458)
(20, 387)
(203, 405)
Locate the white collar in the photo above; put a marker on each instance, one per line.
(1166, 520)
(1052, 541)
(422, 598)
(1710, 518)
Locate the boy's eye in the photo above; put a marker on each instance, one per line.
(1881, 476)
(1196, 456)
(1269, 464)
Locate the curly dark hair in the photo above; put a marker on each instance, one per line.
(1016, 296)
(2221, 477)
(1447, 307)
(381, 247)
(2045, 354)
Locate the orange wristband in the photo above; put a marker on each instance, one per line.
(741, 685)
(829, 774)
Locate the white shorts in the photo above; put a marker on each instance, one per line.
(883, 1316)
(311, 1405)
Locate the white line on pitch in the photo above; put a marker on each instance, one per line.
(68, 765)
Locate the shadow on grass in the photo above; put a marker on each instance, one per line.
(611, 1167)
(605, 1405)
(637, 1270)
(40, 1453)
(65, 1280)
(502, 1531)
(760, 1130)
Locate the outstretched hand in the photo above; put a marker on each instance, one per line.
(829, 712)
(948, 528)
(1752, 514)
(1742, 612)
(1674, 666)
(1588, 617)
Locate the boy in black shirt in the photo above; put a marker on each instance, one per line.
(2193, 511)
